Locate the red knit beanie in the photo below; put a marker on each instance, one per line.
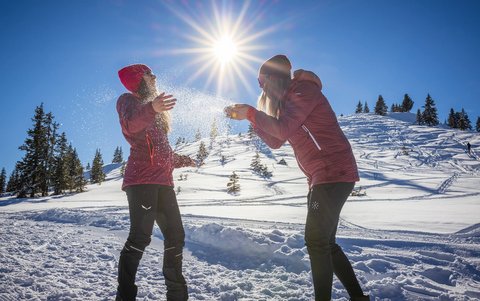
(278, 65)
(131, 76)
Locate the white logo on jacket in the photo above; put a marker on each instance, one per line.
(146, 208)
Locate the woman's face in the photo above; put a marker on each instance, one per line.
(262, 78)
(150, 80)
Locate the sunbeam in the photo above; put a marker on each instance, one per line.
(222, 45)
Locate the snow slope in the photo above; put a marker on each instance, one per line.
(415, 235)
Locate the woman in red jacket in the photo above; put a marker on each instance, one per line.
(148, 182)
(295, 110)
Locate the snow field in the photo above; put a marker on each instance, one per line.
(415, 235)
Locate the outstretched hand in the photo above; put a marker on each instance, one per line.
(163, 103)
(237, 111)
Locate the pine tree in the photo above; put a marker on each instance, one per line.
(51, 128)
(359, 108)
(464, 122)
(420, 118)
(11, 185)
(452, 119)
(59, 180)
(429, 114)
(477, 127)
(117, 155)
(255, 164)
(178, 143)
(88, 167)
(96, 174)
(75, 171)
(214, 130)
(264, 172)
(259, 168)
(37, 166)
(232, 186)
(198, 135)
(3, 180)
(250, 131)
(407, 103)
(396, 108)
(366, 109)
(380, 106)
(202, 154)
(14, 184)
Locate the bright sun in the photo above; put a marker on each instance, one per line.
(223, 45)
(225, 49)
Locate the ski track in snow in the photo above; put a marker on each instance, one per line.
(71, 252)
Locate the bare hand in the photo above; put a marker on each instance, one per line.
(237, 111)
(163, 103)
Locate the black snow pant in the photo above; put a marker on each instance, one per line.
(147, 204)
(325, 201)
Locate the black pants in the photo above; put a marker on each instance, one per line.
(147, 204)
(325, 201)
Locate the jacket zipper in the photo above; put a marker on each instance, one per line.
(150, 148)
(311, 136)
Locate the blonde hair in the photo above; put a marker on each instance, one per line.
(163, 120)
(272, 99)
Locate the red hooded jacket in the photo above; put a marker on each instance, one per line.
(308, 122)
(151, 159)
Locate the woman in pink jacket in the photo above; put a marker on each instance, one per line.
(295, 110)
(148, 182)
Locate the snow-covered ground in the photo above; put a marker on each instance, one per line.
(415, 235)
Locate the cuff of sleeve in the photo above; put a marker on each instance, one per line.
(251, 114)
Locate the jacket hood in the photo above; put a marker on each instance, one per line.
(304, 75)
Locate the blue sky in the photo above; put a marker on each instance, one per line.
(66, 54)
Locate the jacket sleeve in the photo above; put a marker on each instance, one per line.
(134, 116)
(181, 160)
(271, 141)
(302, 100)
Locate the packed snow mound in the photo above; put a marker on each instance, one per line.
(71, 254)
(405, 116)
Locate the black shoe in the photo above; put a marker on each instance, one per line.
(361, 298)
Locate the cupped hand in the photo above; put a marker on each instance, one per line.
(163, 103)
(237, 111)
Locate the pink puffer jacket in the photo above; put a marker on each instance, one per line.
(151, 159)
(308, 122)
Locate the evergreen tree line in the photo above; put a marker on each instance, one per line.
(460, 120)
(49, 161)
(428, 116)
(382, 109)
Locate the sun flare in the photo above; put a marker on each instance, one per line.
(223, 45)
(225, 49)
